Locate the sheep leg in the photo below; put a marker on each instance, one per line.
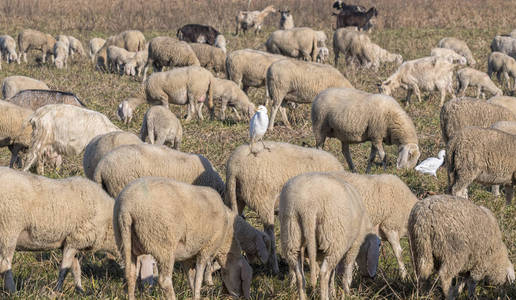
(506, 78)
(300, 278)
(6, 257)
(199, 272)
(25, 57)
(208, 278)
(76, 272)
(347, 155)
(66, 264)
(418, 93)
(394, 240)
(165, 278)
(223, 106)
(189, 113)
(189, 271)
(273, 259)
(462, 181)
(275, 108)
(237, 115)
(471, 284)
(409, 94)
(130, 275)
(327, 267)
(336, 59)
(495, 189)
(479, 92)
(446, 283)
(283, 111)
(509, 193)
(374, 149)
(443, 96)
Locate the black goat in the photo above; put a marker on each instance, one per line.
(196, 33)
(343, 7)
(358, 19)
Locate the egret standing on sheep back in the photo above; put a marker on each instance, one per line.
(258, 126)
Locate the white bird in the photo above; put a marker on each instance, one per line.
(258, 126)
(430, 165)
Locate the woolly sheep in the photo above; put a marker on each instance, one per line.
(169, 52)
(94, 46)
(483, 155)
(370, 54)
(502, 64)
(450, 55)
(136, 64)
(61, 55)
(286, 20)
(505, 45)
(342, 38)
(354, 116)
(101, 145)
(470, 76)
(505, 101)
(153, 216)
(8, 49)
(248, 67)
(34, 99)
(64, 129)
(64, 39)
(127, 163)
(458, 46)
(324, 213)
(252, 19)
(126, 109)
(76, 46)
(322, 55)
(186, 85)
(210, 57)
(428, 73)
(299, 81)
(161, 127)
(463, 112)
(15, 129)
(507, 126)
(256, 180)
(30, 39)
(11, 85)
(117, 58)
(130, 40)
(228, 93)
(299, 42)
(40, 214)
(476, 248)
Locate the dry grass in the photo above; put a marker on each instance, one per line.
(410, 28)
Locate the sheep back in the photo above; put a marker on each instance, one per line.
(505, 101)
(34, 99)
(248, 67)
(13, 84)
(299, 42)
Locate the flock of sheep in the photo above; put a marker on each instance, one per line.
(162, 194)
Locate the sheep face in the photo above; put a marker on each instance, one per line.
(59, 63)
(237, 277)
(130, 68)
(322, 55)
(408, 156)
(285, 14)
(368, 255)
(220, 42)
(388, 86)
(13, 57)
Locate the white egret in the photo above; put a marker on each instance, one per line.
(430, 165)
(258, 126)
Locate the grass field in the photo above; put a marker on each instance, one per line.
(410, 28)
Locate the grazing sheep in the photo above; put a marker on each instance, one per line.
(117, 58)
(210, 57)
(505, 101)
(169, 52)
(155, 215)
(75, 46)
(130, 40)
(427, 73)
(246, 20)
(483, 155)
(324, 213)
(40, 214)
(299, 81)
(126, 109)
(161, 127)
(101, 145)
(127, 163)
(94, 46)
(30, 39)
(502, 64)
(187, 85)
(61, 55)
(228, 93)
(450, 55)
(64, 39)
(505, 45)
(460, 113)
(63, 129)
(458, 46)
(299, 42)
(136, 64)
(8, 49)
(342, 38)
(34, 99)
(11, 85)
(248, 67)
(470, 76)
(256, 180)
(354, 116)
(203, 34)
(15, 129)
(370, 54)
(362, 20)
(507, 126)
(286, 21)
(476, 249)
(322, 55)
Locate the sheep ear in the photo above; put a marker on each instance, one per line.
(402, 158)
(373, 254)
(246, 275)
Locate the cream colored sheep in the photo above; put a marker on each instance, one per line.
(354, 116)
(450, 55)
(286, 20)
(369, 54)
(161, 127)
(325, 214)
(502, 64)
(101, 145)
(470, 76)
(252, 19)
(40, 214)
(126, 108)
(299, 81)
(136, 64)
(476, 249)
(30, 39)
(117, 58)
(187, 85)
(504, 44)
(428, 73)
(11, 85)
(8, 49)
(94, 46)
(64, 39)
(342, 38)
(130, 40)
(256, 180)
(169, 52)
(15, 129)
(322, 55)
(75, 46)
(127, 163)
(228, 93)
(210, 57)
(507, 126)
(155, 215)
(458, 46)
(299, 42)
(61, 55)
(505, 101)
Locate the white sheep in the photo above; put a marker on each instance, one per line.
(30, 39)
(252, 19)
(228, 93)
(72, 214)
(154, 216)
(64, 39)
(75, 46)
(507, 126)
(354, 116)
(470, 76)
(502, 64)
(130, 40)
(34, 99)
(94, 46)
(476, 249)
(117, 58)
(450, 55)
(322, 55)
(369, 54)
(256, 180)
(63, 129)
(210, 57)
(427, 73)
(298, 42)
(286, 20)
(135, 65)
(504, 44)
(126, 108)
(505, 101)
(129, 162)
(11, 85)
(458, 46)
(101, 145)
(161, 127)
(299, 81)
(61, 55)
(15, 129)
(324, 213)
(8, 49)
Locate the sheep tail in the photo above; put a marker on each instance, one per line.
(421, 246)
(123, 225)
(450, 162)
(309, 226)
(230, 196)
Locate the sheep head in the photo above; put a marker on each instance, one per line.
(237, 276)
(322, 55)
(407, 156)
(220, 42)
(388, 86)
(368, 255)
